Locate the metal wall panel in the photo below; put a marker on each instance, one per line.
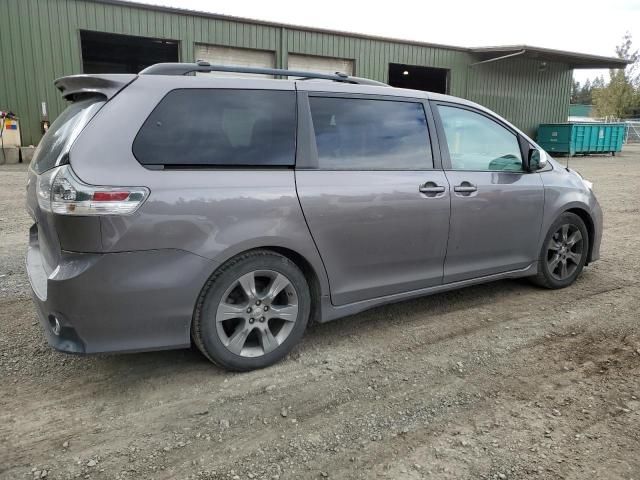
(314, 63)
(244, 57)
(40, 41)
(521, 91)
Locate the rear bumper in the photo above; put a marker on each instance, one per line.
(116, 302)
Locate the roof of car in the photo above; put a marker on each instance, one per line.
(110, 84)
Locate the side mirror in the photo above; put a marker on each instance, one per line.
(537, 160)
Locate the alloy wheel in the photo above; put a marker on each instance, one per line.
(257, 313)
(565, 251)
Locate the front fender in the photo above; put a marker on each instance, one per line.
(565, 191)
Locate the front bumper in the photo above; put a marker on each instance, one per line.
(597, 232)
(115, 302)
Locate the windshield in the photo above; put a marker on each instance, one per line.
(63, 132)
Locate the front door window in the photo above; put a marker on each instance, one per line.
(478, 143)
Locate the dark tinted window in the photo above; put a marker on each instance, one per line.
(63, 131)
(219, 127)
(356, 134)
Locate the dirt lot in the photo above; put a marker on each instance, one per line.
(492, 382)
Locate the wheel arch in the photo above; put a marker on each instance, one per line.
(310, 275)
(585, 216)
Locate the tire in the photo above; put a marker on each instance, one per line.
(253, 310)
(567, 241)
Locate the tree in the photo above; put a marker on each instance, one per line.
(584, 97)
(582, 94)
(598, 82)
(622, 95)
(575, 91)
(625, 50)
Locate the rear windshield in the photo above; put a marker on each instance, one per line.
(63, 132)
(215, 127)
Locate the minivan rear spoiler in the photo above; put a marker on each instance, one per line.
(107, 84)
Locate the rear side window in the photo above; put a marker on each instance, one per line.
(219, 127)
(362, 134)
(63, 131)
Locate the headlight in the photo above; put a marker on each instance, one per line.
(585, 182)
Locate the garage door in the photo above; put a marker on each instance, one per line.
(320, 64)
(229, 56)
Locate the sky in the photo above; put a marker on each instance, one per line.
(584, 26)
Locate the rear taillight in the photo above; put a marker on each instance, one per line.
(60, 191)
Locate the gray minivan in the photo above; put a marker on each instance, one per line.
(170, 208)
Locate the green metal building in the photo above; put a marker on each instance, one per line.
(41, 40)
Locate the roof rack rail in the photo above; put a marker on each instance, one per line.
(205, 67)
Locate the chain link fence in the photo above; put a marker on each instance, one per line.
(632, 133)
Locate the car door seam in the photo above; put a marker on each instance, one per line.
(446, 249)
(306, 222)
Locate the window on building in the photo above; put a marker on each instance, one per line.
(113, 53)
(358, 134)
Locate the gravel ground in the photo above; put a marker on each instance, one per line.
(499, 381)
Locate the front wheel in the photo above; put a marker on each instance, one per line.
(252, 311)
(564, 252)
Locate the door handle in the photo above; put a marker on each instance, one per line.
(465, 187)
(431, 189)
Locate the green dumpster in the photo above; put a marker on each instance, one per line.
(572, 138)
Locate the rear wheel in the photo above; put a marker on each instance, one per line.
(252, 311)
(564, 252)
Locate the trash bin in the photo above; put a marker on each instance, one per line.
(10, 155)
(573, 138)
(27, 153)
